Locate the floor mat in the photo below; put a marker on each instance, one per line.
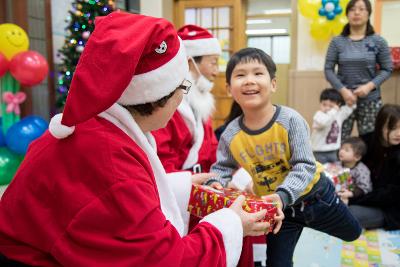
(376, 248)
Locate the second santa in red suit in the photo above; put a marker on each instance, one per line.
(188, 142)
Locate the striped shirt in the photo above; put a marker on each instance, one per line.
(278, 156)
(357, 63)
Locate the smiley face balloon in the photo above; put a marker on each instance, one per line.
(13, 39)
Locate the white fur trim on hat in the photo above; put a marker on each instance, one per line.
(153, 85)
(59, 130)
(230, 226)
(202, 47)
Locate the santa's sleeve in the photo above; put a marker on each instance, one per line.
(167, 140)
(126, 227)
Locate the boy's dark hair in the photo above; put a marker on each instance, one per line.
(148, 108)
(249, 54)
(370, 29)
(332, 95)
(358, 145)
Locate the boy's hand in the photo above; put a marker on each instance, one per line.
(279, 216)
(216, 185)
(200, 178)
(249, 188)
(348, 96)
(251, 222)
(345, 195)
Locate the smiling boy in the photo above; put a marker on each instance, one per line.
(273, 144)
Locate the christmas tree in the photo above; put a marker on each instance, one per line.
(81, 25)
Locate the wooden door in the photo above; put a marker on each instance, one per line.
(225, 19)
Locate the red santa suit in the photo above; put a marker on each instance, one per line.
(93, 192)
(188, 141)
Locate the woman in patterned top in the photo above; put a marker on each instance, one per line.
(364, 63)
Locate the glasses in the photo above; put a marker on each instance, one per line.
(185, 86)
(359, 9)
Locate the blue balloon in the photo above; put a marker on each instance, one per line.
(324, 2)
(338, 10)
(22, 133)
(335, 2)
(330, 16)
(2, 137)
(322, 11)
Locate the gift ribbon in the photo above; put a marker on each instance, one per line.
(13, 101)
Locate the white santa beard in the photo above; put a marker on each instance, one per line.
(202, 103)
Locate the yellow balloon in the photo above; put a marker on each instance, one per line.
(13, 39)
(320, 29)
(338, 24)
(309, 8)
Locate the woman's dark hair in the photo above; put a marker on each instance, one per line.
(332, 95)
(148, 108)
(388, 116)
(249, 54)
(235, 112)
(370, 30)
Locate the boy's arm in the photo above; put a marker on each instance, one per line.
(302, 160)
(225, 165)
(345, 111)
(322, 120)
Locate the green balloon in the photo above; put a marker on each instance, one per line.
(9, 163)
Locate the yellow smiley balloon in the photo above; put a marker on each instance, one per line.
(13, 39)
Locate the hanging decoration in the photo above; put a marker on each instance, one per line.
(327, 17)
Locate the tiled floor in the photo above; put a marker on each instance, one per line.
(374, 248)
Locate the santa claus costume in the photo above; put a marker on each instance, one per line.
(92, 191)
(188, 141)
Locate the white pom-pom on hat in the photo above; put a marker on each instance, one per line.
(59, 130)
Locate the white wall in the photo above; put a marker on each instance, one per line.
(157, 8)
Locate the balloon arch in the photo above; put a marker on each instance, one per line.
(18, 66)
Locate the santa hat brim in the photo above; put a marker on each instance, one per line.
(148, 87)
(202, 47)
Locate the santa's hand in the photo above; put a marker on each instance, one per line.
(251, 222)
(200, 178)
(216, 185)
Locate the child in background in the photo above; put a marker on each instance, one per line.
(381, 207)
(350, 154)
(327, 125)
(272, 143)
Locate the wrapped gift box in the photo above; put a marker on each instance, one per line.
(340, 176)
(395, 52)
(205, 200)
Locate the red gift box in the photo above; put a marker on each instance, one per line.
(205, 200)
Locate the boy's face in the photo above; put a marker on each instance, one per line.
(251, 86)
(326, 105)
(347, 155)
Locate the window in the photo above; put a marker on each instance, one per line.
(278, 47)
(218, 21)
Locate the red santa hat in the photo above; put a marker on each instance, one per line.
(198, 41)
(129, 59)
